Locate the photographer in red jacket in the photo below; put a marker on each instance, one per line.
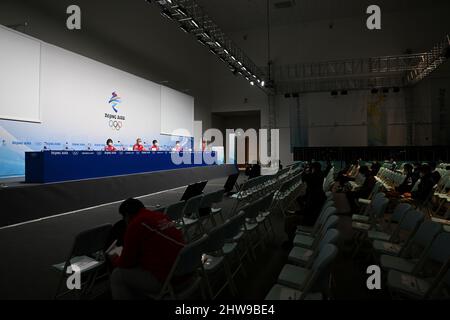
(151, 245)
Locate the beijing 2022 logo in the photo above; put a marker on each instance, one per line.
(116, 121)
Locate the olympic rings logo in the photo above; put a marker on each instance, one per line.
(115, 125)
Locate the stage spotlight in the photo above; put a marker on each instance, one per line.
(344, 92)
(374, 91)
(287, 95)
(334, 93)
(252, 83)
(396, 89)
(263, 83)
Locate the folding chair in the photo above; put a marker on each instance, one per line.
(304, 257)
(303, 280)
(175, 212)
(309, 242)
(235, 246)
(215, 260)
(88, 254)
(205, 208)
(413, 256)
(398, 215)
(216, 199)
(191, 217)
(188, 265)
(327, 210)
(252, 227)
(405, 284)
(365, 217)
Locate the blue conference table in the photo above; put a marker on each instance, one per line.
(56, 166)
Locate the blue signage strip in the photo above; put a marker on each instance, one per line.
(56, 166)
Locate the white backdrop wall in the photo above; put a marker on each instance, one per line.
(75, 108)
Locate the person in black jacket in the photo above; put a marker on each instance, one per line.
(310, 203)
(314, 197)
(425, 185)
(409, 181)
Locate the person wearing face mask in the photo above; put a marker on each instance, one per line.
(155, 146)
(138, 146)
(110, 145)
(178, 147)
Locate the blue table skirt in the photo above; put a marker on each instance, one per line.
(55, 166)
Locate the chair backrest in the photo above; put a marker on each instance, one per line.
(330, 237)
(91, 241)
(207, 200)
(376, 189)
(189, 258)
(440, 248)
(399, 212)
(372, 202)
(320, 268)
(331, 222)
(411, 221)
(192, 205)
(233, 226)
(216, 238)
(265, 202)
(323, 217)
(423, 238)
(251, 210)
(325, 256)
(218, 196)
(427, 231)
(379, 207)
(175, 211)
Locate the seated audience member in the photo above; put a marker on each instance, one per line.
(392, 164)
(151, 245)
(328, 168)
(425, 185)
(409, 181)
(155, 146)
(110, 145)
(416, 170)
(312, 201)
(365, 189)
(138, 146)
(177, 147)
(341, 185)
(375, 167)
(435, 174)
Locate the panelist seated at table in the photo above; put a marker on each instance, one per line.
(177, 147)
(138, 146)
(155, 146)
(110, 145)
